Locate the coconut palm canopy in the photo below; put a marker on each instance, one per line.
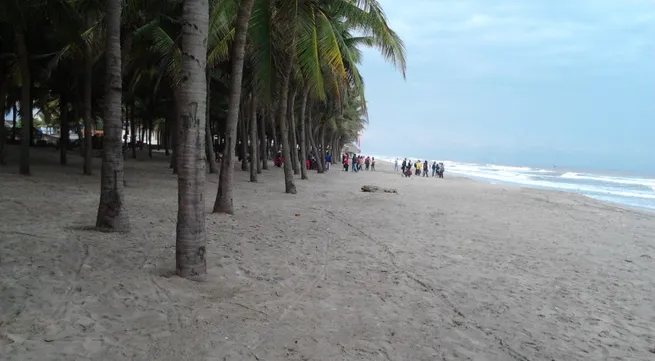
(248, 76)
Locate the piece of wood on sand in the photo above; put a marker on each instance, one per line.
(374, 189)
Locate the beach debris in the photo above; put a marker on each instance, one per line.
(374, 189)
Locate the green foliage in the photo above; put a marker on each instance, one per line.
(323, 39)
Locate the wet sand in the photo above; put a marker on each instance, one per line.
(448, 269)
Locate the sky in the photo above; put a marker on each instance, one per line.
(518, 82)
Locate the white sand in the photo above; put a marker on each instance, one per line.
(448, 269)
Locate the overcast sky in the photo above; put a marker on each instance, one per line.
(531, 82)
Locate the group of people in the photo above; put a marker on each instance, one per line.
(311, 162)
(420, 168)
(357, 163)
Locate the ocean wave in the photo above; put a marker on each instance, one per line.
(649, 183)
(630, 191)
(528, 180)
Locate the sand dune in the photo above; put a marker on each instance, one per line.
(448, 269)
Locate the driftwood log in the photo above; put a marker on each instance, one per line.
(373, 189)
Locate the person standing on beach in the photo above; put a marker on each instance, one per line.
(441, 169)
(373, 164)
(404, 165)
(395, 165)
(434, 168)
(425, 168)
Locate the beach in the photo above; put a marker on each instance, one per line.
(447, 269)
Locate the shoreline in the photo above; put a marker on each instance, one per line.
(543, 188)
(453, 269)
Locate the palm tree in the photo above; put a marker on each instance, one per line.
(224, 197)
(112, 212)
(88, 96)
(289, 185)
(254, 162)
(80, 28)
(303, 133)
(191, 239)
(25, 101)
(15, 14)
(264, 142)
(292, 131)
(301, 57)
(306, 37)
(4, 87)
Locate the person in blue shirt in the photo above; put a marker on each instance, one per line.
(328, 160)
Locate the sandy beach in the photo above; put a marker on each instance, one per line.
(447, 269)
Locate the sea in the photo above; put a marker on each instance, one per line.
(631, 190)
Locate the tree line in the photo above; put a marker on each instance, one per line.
(246, 76)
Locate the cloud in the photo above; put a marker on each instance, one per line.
(516, 36)
(509, 79)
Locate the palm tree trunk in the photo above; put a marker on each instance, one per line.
(112, 212)
(276, 139)
(257, 146)
(25, 103)
(13, 125)
(4, 87)
(126, 138)
(167, 136)
(303, 146)
(149, 133)
(321, 153)
(175, 132)
(224, 202)
(289, 185)
(254, 162)
(243, 146)
(88, 95)
(191, 239)
(209, 149)
(32, 129)
(209, 139)
(312, 143)
(333, 148)
(79, 128)
(263, 144)
(292, 132)
(133, 134)
(64, 129)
